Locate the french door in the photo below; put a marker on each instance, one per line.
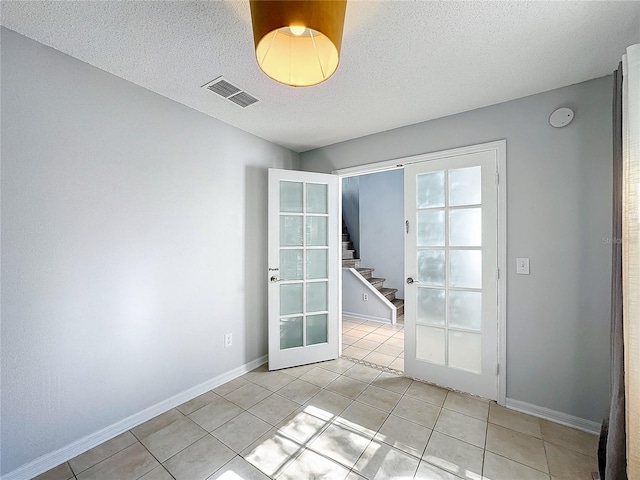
(451, 314)
(303, 268)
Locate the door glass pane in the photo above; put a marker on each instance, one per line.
(291, 264)
(431, 306)
(316, 198)
(465, 268)
(431, 228)
(316, 297)
(465, 227)
(290, 299)
(290, 231)
(291, 197)
(317, 264)
(465, 310)
(317, 231)
(465, 186)
(316, 329)
(430, 344)
(290, 332)
(430, 190)
(431, 269)
(465, 351)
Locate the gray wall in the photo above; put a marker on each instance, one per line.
(382, 226)
(353, 304)
(559, 209)
(351, 209)
(133, 238)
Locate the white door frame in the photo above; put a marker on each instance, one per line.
(500, 147)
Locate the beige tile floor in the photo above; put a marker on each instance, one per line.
(337, 420)
(374, 342)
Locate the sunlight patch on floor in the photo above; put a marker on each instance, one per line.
(315, 443)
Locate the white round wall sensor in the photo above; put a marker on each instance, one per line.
(561, 117)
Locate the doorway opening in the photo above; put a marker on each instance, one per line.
(373, 269)
(450, 228)
(453, 229)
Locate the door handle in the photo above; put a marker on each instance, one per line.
(410, 280)
(275, 279)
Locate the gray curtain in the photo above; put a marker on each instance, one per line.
(615, 467)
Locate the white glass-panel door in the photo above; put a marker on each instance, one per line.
(303, 268)
(451, 266)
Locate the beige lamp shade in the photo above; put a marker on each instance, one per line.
(298, 42)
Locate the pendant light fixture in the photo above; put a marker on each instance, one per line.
(298, 42)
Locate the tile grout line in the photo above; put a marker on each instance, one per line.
(381, 425)
(333, 422)
(372, 437)
(156, 458)
(369, 383)
(106, 458)
(305, 445)
(75, 474)
(520, 463)
(322, 389)
(292, 458)
(375, 350)
(486, 435)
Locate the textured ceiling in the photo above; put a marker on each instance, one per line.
(402, 62)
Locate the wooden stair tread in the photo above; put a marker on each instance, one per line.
(365, 272)
(351, 263)
(399, 304)
(387, 291)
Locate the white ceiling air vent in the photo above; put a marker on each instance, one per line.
(227, 90)
(243, 99)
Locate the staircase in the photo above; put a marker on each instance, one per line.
(349, 260)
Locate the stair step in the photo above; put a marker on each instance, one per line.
(399, 303)
(390, 293)
(351, 263)
(348, 254)
(376, 282)
(365, 272)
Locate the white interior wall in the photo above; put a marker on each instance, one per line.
(353, 303)
(134, 235)
(382, 226)
(559, 214)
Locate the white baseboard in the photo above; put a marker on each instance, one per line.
(367, 317)
(558, 417)
(66, 453)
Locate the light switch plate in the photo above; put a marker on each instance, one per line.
(522, 266)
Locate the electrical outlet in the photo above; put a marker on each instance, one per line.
(228, 340)
(365, 297)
